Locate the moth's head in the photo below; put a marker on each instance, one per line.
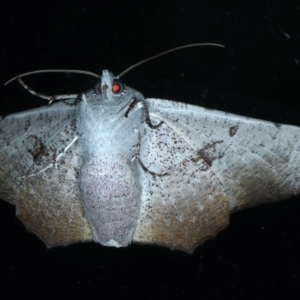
(113, 92)
(110, 86)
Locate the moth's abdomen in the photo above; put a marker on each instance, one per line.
(110, 196)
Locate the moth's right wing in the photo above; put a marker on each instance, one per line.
(215, 163)
(39, 172)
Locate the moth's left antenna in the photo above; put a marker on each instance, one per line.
(54, 71)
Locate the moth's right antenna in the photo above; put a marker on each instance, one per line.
(166, 52)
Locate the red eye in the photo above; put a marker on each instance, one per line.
(117, 87)
(98, 89)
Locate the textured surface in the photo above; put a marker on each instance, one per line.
(216, 163)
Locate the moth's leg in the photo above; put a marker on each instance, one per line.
(49, 98)
(133, 103)
(131, 106)
(137, 156)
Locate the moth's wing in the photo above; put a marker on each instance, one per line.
(216, 163)
(39, 172)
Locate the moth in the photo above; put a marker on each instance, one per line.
(112, 167)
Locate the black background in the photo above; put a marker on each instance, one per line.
(257, 75)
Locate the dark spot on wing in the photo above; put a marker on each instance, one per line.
(233, 130)
(208, 153)
(206, 157)
(35, 147)
(27, 125)
(277, 125)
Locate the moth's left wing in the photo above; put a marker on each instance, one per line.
(39, 172)
(203, 164)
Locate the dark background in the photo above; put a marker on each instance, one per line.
(257, 75)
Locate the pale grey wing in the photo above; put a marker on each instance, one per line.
(216, 163)
(39, 172)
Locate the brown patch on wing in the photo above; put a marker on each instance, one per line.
(184, 210)
(52, 210)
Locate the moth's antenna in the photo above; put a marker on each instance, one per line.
(54, 71)
(124, 72)
(166, 52)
